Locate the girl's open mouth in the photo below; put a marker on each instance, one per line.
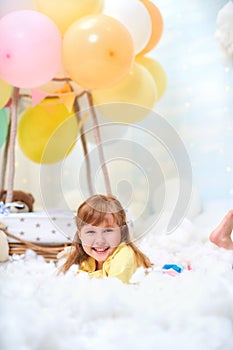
(100, 250)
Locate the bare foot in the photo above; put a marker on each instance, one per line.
(221, 236)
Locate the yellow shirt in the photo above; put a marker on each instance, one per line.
(121, 264)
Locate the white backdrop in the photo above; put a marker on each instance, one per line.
(197, 103)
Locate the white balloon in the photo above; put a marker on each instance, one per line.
(7, 6)
(134, 15)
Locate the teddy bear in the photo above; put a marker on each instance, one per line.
(21, 202)
(26, 201)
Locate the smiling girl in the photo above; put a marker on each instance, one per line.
(102, 245)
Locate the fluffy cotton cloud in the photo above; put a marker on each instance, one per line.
(46, 311)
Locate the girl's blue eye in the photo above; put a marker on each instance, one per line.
(90, 232)
(109, 230)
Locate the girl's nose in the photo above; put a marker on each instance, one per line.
(100, 238)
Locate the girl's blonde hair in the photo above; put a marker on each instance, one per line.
(94, 211)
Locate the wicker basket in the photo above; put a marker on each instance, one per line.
(48, 251)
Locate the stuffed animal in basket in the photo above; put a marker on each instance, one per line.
(4, 246)
(21, 201)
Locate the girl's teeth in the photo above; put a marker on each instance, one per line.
(100, 249)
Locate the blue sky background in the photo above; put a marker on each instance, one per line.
(199, 97)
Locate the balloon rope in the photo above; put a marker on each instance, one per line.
(13, 132)
(98, 143)
(4, 160)
(84, 145)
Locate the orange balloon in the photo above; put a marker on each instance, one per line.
(157, 26)
(157, 72)
(97, 51)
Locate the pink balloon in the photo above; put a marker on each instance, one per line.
(30, 49)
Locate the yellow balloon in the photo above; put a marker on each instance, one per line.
(157, 72)
(47, 132)
(65, 12)
(97, 51)
(138, 89)
(5, 93)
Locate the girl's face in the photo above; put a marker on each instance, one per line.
(99, 242)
